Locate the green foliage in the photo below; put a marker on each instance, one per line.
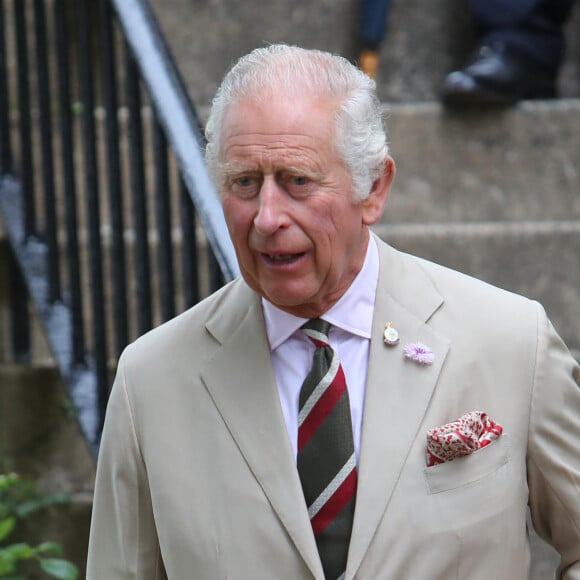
(18, 499)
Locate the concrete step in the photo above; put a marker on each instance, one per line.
(536, 259)
(67, 524)
(516, 165)
(40, 439)
(421, 47)
(39, 434)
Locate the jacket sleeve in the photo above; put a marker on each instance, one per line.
(554, 449)
(123, 542)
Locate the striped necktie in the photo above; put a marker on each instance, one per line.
(326, 459)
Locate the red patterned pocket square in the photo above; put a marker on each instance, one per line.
(461, 437)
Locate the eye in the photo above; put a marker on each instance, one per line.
(298, 185)
(244, 185)
(299, 180)
(244, 181)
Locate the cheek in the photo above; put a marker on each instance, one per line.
(238, 218)
(344, 242)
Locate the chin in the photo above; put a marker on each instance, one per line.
(283, 300)
(302, 305)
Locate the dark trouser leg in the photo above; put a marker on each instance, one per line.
(533, 26)
(373, 27)
(521, 47)
(373, 23)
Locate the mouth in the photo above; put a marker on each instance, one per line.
(281, 259)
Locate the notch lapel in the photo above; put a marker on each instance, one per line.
(241, 382)
(397, 394)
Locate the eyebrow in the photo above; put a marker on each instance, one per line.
(307, 171)
(229, 170)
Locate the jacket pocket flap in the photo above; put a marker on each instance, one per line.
(468, 469)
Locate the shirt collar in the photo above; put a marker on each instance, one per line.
(353, 313)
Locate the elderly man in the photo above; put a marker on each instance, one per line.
(344, 410)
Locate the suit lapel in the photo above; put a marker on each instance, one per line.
(241, 383)
(397, 394)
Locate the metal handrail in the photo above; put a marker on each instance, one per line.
(88, 273)
(178, 117)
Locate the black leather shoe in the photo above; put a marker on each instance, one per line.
(498, 75)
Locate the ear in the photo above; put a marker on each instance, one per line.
(374, 204)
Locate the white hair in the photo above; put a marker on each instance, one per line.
(360, 134)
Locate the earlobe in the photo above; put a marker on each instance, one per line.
(374, 204)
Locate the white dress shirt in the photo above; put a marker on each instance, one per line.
(292, 351)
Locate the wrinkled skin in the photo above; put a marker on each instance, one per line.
(300, 238)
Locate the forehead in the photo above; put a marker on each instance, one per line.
(278, 127)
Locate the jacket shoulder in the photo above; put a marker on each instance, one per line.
(190, 327)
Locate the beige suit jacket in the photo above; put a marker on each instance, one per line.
(196, 477)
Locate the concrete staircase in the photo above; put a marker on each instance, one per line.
(495, 194)
(41, 439)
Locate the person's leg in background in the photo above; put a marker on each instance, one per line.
(373, 26)
(520, 50)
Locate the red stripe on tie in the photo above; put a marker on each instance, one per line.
(335, 504)
(322, 408)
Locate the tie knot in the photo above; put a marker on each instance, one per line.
(317, 329)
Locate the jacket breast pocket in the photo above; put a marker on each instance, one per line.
(470, 469)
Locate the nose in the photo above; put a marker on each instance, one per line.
(272, 210)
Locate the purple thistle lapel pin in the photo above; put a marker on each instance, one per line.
(419, 352)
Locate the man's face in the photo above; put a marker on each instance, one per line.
(287, 197)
